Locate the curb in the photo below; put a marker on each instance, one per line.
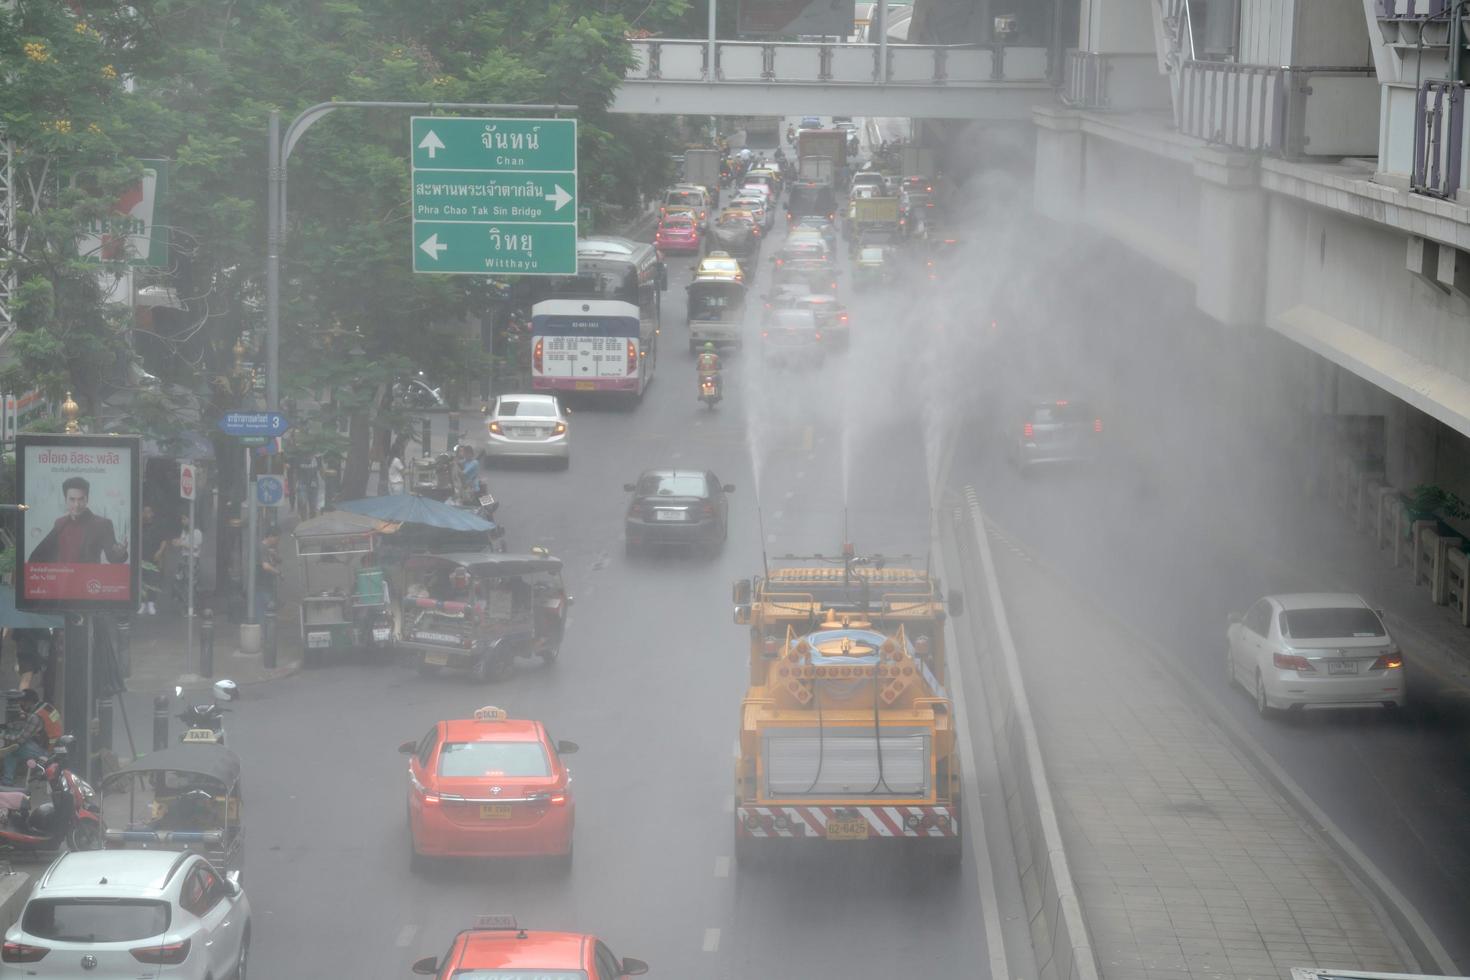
(1398, 915)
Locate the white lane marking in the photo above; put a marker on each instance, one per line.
(779, 514)
(711, 940)
(790, 494)
(730, 803)
(722, 866)
(735, 749)
(800, 474)
(405, 935)
(770, 539)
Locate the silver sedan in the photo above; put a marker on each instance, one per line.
(527, 427)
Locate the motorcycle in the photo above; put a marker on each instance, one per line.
(710, 389)
(70, 820)
(205, 722)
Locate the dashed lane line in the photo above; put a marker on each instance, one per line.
(722, 866)
(406, 936)
(712, 940)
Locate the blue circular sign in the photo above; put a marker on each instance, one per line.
(269, 490)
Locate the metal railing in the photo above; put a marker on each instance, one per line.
(1411, 9)
(687, 60)
(1439, 133)
(1087, 80)
(1265, 108)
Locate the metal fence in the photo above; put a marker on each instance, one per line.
(1439, 133)
(687, 60)
(1282, 111)
(1087, 80)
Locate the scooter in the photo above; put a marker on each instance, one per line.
(205, 722)
(710, 389)
(71, 820)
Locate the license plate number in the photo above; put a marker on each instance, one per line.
(436, 659)
(847, 829)
(1342, 666)
(669, 515)
(380, 635)
(317, 641)
(585, 386)
(495, 811)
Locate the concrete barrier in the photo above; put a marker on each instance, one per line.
(1058, 929)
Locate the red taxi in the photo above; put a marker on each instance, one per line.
(678, 232)
(497, 947)
(489, 786)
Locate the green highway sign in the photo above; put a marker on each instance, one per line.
(467, 195)
(494, 196)
(491, 248)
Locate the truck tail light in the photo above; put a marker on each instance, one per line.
(1097, 425)
(632, 357)
(536, 356)
(1028, 431)
(1292, 661)
(171, 954)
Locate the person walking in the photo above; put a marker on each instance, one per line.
(189, 544)
(395, 471)
(267, 573)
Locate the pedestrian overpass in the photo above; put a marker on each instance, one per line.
(932, 81)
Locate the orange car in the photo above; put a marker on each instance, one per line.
(497, 944)
(489, 786)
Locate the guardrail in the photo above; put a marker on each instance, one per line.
(1439, 137)
(1058, 928)
(1280, 111)
(687, 60)
(1087, 80)
(1436, 557)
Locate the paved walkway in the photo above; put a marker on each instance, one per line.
(1188, 863)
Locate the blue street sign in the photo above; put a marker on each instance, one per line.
(269, 490)
(253, 423)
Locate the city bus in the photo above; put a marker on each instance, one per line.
(598, 331)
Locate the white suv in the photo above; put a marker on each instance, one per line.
(105, 914)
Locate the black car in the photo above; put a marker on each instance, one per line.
(677, 507)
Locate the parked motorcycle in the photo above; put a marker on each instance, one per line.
(71, 819)
(205, 722)
(710, 389)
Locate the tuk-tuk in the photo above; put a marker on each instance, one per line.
(479, 611)
(716, 313)
(185, 798)
(345, 603)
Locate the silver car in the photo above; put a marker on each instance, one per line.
(527, 427)
(1057, 431)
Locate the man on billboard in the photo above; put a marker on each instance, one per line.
(80, 535)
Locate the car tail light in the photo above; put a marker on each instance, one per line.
(1292, 661)
(632, 357)
(1061, 403)
(709, 510)
(1097, 425)
(536, 356)
(765, 334)
(495, 428)
(559, 428)
(842, 318)
(13, 952)
(1392, 660)
(780, 261)
(170, 954)
(1028, 430)
(558, 799)
(819, 335)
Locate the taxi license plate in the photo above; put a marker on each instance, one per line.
(584, 386)
(436, 659)
(845, 829)
(318, 641)
(1342, 666)
(495, 811)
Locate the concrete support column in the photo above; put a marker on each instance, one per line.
(1230, 283)
(1057, 189)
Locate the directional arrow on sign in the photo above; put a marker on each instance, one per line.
(561, 198)
(432, 143)
(432, 246)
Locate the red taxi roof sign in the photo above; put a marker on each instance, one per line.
(497, 920)
(491, 713)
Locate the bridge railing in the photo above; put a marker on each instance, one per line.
(1322, 111)
(685, 60)
(1439, 137)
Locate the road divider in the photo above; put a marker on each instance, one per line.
(1058, 930)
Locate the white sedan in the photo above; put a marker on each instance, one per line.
(1315, 650)
(130, 914)
(528, 427)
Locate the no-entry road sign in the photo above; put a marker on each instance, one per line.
(494, 196)
(186, 481)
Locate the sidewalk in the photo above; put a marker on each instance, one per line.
(1188, 863)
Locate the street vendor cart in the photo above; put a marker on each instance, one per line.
(345, 604)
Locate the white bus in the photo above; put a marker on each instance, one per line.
(598, 330)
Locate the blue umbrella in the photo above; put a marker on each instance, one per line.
(408, 508)
(11, 616)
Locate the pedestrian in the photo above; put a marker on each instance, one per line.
(307, 474)
(42, 725)
(395, 471)
(154, 543)
(331, 476)
(32, 651)
(189, 544)
(267, 573)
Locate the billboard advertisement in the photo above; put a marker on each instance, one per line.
(137, 230)
(78, 529)
(812, 18)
